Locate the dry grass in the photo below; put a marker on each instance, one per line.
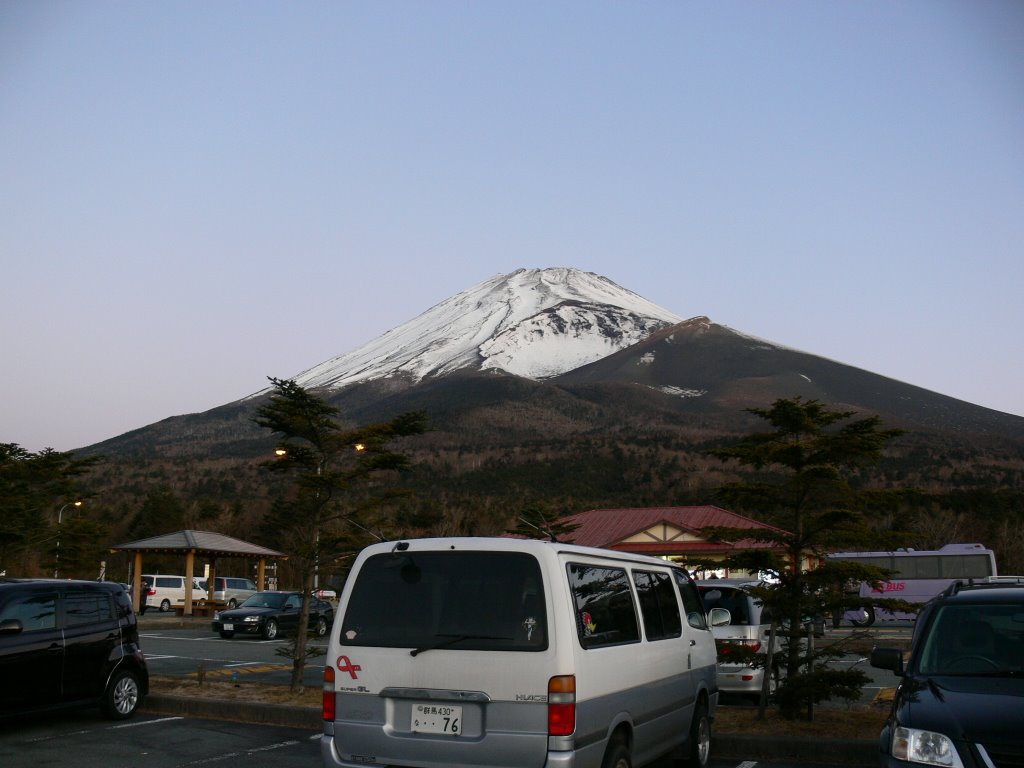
(859, 722)
(242, 691)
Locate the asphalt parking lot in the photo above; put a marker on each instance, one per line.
(180, 647)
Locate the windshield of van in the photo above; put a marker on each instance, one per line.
(438, 601)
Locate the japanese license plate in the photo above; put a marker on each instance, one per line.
(436, 718)
(229, 627)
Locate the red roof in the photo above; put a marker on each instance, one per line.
(608, 528)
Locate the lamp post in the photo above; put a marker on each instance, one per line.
(60, 518)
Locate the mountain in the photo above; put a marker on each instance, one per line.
(709, 367)
(534, 323)
(559, 388)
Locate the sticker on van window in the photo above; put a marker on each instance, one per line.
(588, 623)
(529, 624)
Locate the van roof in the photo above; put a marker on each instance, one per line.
(511, 544)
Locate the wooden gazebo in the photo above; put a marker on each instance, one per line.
(212, 546)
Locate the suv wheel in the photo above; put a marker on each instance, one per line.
(121, 698)
(232, 603)
(321, 626)
(165, 605)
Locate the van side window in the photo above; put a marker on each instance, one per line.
(691, 601)
(83, 608)
(658, 605)
(605, 611)
(34, 611)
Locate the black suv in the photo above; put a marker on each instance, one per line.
(960, 703)
(65, 643)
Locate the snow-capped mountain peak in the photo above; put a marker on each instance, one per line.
(534, 323)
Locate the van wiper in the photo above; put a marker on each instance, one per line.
(451, 640)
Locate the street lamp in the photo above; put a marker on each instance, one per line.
(60, 517)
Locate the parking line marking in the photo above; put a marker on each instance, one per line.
(137, 723)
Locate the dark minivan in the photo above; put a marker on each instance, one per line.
(69, 643)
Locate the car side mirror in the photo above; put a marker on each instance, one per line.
(888, 658)
(719, 617)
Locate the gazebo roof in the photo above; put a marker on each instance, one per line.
(199, 541)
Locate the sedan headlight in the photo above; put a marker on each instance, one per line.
(926, 747)
(251, 618)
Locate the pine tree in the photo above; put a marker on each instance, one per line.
(324, 463)
(805, 467)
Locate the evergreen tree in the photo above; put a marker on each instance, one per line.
(324, 463)
(33, 488)
(805, 469)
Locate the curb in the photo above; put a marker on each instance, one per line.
(237, 711)
(846, 752)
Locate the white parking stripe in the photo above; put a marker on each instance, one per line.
(137, 723)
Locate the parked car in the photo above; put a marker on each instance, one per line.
(325, 594)
(960, 703)
(231, 590)
(269, 614)
(484, 652)
(748, 632)
(166, 591)
(69, 643)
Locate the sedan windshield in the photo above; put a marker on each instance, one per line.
(265, 600)
(974, 640)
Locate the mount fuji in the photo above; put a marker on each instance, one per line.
(559, 386)
(533, 323)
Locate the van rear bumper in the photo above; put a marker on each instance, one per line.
(331, 758)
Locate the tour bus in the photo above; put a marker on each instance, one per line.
(919, 575)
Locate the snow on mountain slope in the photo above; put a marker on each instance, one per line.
(534, 323)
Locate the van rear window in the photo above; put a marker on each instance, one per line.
(735, 601)
(475, 601)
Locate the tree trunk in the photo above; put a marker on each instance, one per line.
(302, 633)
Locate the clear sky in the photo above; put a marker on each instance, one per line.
(195, 196)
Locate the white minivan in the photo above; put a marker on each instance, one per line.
(166, 591)
(517, 653)
(743, 638)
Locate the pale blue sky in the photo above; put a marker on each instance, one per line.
(194, 196)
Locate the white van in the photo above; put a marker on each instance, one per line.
(517, 653)
(230, 590)
(167, 591)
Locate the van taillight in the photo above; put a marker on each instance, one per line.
(562, 705)
(328, 702)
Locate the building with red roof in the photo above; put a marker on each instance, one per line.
(671, 532)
